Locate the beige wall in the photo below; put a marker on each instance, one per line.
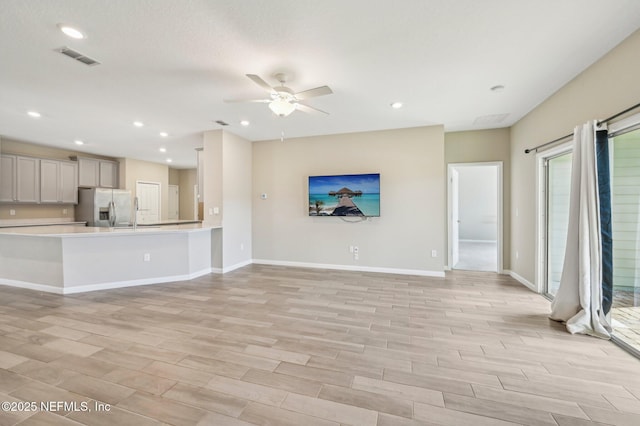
(485, 146)
(187, 178)
(412, 223)
(132, 171)
(227, 187)
(606, 88)
(211, 191)
(174, 176)
(236, 199)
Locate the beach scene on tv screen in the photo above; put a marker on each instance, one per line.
(344, 195)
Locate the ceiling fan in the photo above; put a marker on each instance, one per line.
(282, 100)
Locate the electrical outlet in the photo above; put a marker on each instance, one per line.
(434, 253)
(12, 212)
(241, 246)
(350, 249)
(356, 256)
(517, 255)
(210, 212)
(216, 210)
(64, 211)
(147, 257)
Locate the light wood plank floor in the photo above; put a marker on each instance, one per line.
(285, 346)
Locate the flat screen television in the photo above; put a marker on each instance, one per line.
(345, 195)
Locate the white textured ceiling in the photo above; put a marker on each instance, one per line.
(171, 63)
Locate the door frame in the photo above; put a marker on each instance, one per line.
(450, 198)
(159, 184)
(541, 209)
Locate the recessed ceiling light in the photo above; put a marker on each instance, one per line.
(396, 105)
(498, 88)
(169, 160)
(34, 114)
(164, 134)
(244, 123)
(78, 142)
(163, 149)
(138, 123)
(71, 32)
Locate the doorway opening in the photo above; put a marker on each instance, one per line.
(475, 216)
(148, 194)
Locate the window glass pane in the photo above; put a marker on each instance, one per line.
(625, 206)
(558, 188)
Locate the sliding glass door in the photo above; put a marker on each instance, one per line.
(555, 182)
(625, 208)
(558, 184)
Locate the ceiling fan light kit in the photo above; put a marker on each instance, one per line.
(282, 100)
(281, 107)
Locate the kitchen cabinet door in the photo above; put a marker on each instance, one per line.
(28, 180)
(8, 178)
(108, 174)
(68, 189)
(88, 169)
(49, 181)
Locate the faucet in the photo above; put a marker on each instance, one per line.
(135, 213)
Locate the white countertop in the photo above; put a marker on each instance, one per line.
(14, 223)
(89, 231)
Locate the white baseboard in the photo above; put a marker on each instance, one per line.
(236, 266)
(186, 277)
(420, 272)
(521, 280)
(32, 286)
(103, 286)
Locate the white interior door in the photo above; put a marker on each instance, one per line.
(174, 202)
(148, 194)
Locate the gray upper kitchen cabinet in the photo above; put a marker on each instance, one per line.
(20, 179)
(88, 169)
(8, 178)
(93, 172)
(108, 174)
(58, 181)
(49, 177)
(27, 179)
(68, 182)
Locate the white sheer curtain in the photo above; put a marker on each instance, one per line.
(579, 298)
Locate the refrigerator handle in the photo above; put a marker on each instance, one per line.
(112, 214)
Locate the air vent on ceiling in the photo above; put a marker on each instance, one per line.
(490, 119)
(77, 56)
(222, 123)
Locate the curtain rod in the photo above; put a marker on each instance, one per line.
(606, 120)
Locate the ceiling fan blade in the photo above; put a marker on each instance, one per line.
(310, 110)
(260, 82)
(311, 93)
(262, 101)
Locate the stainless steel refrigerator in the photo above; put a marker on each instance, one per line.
(104, 207)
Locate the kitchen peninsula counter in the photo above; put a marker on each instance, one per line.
(91, 231)
(74, 259)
